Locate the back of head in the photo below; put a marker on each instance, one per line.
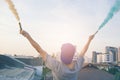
(67, 53)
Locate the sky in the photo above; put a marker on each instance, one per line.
(52, 23)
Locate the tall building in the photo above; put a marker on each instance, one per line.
(95, 56)
(113, 51)
(104, 58)
(112, 55)
(107, 58)
(119, 54)
(99, 58)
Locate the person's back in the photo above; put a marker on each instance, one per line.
(62, 71)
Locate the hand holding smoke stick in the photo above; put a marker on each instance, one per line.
(14, 11)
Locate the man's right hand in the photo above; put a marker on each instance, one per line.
(24, 33)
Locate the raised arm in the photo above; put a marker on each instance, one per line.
(34, 44)
(82, 53)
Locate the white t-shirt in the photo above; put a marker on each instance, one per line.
(61, 72)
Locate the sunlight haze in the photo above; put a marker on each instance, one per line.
(54, 22)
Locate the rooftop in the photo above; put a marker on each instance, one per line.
(90, 72)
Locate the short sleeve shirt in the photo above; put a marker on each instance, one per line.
(61, 72)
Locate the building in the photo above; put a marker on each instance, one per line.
(30, 60)
(95, 56)
(111, 55)
(99, 58)
(119, 54)
(104, 58)
(113, 51)
(107, 58)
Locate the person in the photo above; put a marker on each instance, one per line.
(67, 68)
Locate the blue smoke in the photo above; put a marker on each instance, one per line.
(112, 12)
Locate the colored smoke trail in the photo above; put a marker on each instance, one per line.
(14, 11)
(113, 11)
(12, 8)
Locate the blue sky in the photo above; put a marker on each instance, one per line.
(54, 22)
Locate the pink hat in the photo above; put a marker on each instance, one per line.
(67, 53)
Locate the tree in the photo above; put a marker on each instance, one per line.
(113, 71)
(117, 76)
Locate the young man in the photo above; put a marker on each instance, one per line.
(67, 69)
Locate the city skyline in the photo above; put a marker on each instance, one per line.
(52, 23)
(111, 56)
